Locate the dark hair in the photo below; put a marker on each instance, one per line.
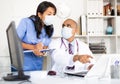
(42, 7)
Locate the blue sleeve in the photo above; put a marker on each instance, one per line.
(21, 29)
(47, 41)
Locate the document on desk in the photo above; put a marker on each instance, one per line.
(43, 50)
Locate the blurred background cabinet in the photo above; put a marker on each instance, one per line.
(103, 26)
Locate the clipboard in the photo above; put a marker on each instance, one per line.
(44, 50)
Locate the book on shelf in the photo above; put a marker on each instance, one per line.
(107, 9)
(118, 10)
(83, 24)
(98, 51)
(95, 26)
(94, 7)
(102, 44)
(98, 48)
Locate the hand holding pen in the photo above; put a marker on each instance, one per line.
(37, 49)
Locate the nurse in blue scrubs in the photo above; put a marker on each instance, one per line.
(35, 33)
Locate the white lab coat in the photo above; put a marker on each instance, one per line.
(62, 58)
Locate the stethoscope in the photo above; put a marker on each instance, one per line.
(63, 43)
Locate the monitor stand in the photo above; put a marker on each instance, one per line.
(19, 77)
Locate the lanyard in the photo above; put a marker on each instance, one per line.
(62, 42)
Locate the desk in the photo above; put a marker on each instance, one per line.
(39, 78)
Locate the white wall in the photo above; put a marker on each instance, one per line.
(17, 9)
(5, 18)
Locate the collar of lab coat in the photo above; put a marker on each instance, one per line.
(67, 42)
(74, 45)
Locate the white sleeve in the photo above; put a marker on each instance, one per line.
(84, 49)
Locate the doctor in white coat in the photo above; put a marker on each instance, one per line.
(68, 48)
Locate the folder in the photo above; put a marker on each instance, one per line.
(94, 7)
(83, 24)
(44, 50)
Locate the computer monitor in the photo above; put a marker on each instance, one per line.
(16, 54)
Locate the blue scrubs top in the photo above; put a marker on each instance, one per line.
(26, 32)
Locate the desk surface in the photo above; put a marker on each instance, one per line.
(41, 77)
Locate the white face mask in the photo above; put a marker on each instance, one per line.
(49, 20)
(66, 32)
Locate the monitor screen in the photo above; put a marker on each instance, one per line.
(16, 53)
(15, 48)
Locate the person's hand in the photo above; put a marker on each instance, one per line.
(75, 58)
(39, 46)
(37, 49)
(38, 53)
(84, 58)
(90, 66)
